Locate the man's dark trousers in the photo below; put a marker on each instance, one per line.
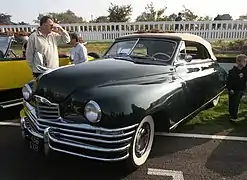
(234, 101)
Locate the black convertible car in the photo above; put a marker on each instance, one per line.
(110, 109)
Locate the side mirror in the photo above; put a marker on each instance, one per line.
(188, 58)
(185, 57)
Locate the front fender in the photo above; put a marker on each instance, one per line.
(124, 105)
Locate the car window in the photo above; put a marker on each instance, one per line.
(122, 47)
(161, 49)
(140, 50)
(4, 42)
(196, 50)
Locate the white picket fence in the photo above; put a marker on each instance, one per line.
(210, 30)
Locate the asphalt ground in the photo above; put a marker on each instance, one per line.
(178, 158)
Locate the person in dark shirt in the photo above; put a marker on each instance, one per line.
(178, 18)
(236, 84)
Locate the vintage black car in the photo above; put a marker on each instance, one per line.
(110, 109)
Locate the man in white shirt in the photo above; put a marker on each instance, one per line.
(78, 54)
(42, 45)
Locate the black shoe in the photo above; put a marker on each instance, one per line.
(233, 119)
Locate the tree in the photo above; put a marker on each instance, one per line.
(188, 15)
(243, 17)
(63, 17)
(5, 19)
(172, 17)
(223, 17)
(101, 19)
(150, 14)
(206, 18)
(22, 23)
(119, 13)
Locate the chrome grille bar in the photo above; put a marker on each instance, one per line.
(45, 109)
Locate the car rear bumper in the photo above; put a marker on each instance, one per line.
(77, 139)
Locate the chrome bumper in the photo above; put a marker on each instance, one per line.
(78, 139)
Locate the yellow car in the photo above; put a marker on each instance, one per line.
(15, 72)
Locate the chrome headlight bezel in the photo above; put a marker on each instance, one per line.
(27, 92)
(92, 112)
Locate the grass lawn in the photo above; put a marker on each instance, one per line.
(216, 120)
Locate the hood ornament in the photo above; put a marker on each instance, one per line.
(43, 100)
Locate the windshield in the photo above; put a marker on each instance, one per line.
(4, 42)
(158, 49)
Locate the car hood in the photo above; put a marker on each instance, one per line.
(60, 83)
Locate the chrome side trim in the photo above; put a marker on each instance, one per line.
(11, 103)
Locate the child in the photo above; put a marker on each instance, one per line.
(236, 84)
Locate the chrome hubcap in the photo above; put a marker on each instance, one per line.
(142, 139)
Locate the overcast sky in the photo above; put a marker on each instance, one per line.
(28, 10)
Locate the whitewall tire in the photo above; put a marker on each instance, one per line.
(142, 143)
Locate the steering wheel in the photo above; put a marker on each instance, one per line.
(159, 53)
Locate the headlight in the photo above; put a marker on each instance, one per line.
(92, 112)
(27, 92)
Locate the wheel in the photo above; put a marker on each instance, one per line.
(142, 144)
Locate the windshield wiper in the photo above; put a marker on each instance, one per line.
(150, 59)
(143, 60)
(128, 58)
(144, 57)
(116, 55)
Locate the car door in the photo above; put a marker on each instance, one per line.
(6, 74)
(22, 71)
(200, 75)
(176, 103)
(15, 73)
(190, 74)
(210, 73)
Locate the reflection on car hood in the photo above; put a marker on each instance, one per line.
(63, 81)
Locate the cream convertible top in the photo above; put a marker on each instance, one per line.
(182, 36)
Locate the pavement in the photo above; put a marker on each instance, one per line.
(172, 158)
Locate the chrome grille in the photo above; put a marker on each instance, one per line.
(46, 109)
